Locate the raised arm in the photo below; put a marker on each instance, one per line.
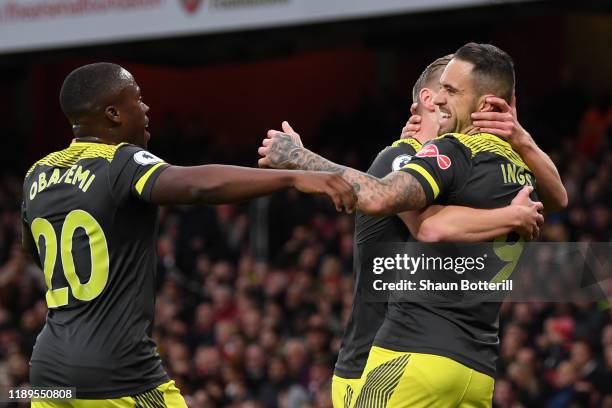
(505, 124)
(215, 184)
(397, 192)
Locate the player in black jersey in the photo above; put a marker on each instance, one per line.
(447, 224)
(444, 356)
(438, 223)
(90, 221)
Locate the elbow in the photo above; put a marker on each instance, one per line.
(431, 231)
(560, 203)
(563, 201)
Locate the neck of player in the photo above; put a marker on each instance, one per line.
(92, 133)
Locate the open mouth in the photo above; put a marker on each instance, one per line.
(444, 121)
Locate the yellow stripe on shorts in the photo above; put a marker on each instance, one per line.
(381, 382)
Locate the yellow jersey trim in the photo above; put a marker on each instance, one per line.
(412, 142)
(486, 142)
(76, 152)
(432, 182)
(140, 184)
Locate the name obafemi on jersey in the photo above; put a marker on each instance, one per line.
(88, 208)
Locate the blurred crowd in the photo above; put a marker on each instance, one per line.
(243, 328)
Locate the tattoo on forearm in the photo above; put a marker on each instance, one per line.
(397, 192)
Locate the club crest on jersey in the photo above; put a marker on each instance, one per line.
(444, 162)
(145, 158)
(400, 161)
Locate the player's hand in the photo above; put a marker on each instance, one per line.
(294, 135)
(503, 123)
(275, 150)
(334, 186)
(529, 219)
(413, 125)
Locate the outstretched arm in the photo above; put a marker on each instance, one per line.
(505, 124)
(215, 184)
(397, 192)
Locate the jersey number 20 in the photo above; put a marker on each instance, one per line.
(99, 257)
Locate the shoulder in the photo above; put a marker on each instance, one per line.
(453, 139)
(408, 144)
(140, 156)
(394, 157)
(450, 143)
(488, 144)
(51, 159)
(402, 147)
(76, 152)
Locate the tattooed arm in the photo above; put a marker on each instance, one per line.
(397, 192)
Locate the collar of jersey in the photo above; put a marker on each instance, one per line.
(80, 142)
(75, 141)
(494, 138)
(489, 136)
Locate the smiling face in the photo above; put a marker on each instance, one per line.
(456, 97)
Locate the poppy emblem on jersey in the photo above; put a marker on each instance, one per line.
(191, 5)
(444, 162)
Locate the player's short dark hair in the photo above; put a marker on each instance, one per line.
(429, 74)
(493, 69)
(85, 87)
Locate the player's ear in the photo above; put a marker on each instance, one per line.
(112, 114)
(484, 106)
(426, 97)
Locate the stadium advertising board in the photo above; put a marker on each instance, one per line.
(39, 24)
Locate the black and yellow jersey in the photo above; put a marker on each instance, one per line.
(479, 171)
(88, 208)
(366, 317)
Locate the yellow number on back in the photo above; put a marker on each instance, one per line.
(42, 227)
(509, 252)
(99, 257)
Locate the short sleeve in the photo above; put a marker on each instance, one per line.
(441, 166)
(133, 172)
(393, 158)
